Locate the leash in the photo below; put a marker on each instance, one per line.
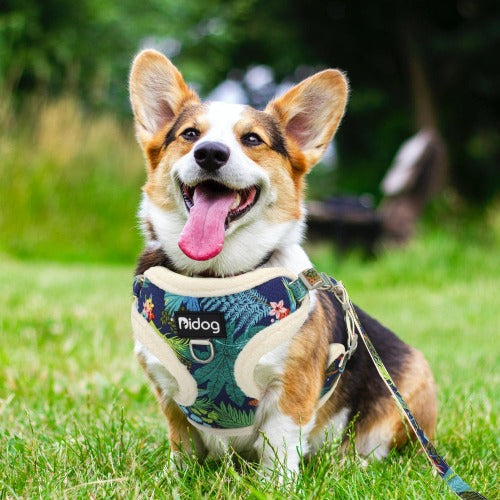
(312, 280)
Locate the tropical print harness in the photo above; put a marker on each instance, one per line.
(217, 330)
(211, 342)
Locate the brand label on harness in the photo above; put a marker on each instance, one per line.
(200, 325)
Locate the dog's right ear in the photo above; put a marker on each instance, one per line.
(157, 93)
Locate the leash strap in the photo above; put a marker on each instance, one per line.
(312, 280)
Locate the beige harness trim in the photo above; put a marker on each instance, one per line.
(187, 389)
(264, 342)
(261, 344)
(212, 287)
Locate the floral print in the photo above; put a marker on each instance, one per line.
(278, 310)
(220, 402)
(147, 309)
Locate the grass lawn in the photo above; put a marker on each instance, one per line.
(77, 418)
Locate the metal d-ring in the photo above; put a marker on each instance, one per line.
(205, 343)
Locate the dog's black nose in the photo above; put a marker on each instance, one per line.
(211, 155)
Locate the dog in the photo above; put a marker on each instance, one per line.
(224, 197)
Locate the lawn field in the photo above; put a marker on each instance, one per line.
(77, 418)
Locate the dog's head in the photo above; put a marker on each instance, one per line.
(225, 182)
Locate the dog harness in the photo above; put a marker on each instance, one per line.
(210, 334)
(211, 342)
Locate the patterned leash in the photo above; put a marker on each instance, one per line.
(312, 280)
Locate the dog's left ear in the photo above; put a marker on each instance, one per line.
(310, 113)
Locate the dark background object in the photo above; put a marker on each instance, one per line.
(349, 221)
(417, 174)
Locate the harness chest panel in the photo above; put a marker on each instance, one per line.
(208, 334)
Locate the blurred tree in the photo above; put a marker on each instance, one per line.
(409, 64)
(86, 47)
(401, 58)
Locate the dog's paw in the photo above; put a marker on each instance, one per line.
(176, 463)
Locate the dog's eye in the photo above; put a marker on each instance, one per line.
(251, 139)
(190, 134)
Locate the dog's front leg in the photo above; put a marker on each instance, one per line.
(183, 437)
(282, 440)
(288, 408)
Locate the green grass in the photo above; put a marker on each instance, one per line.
(77, 418)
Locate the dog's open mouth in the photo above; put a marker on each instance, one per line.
(212, 207)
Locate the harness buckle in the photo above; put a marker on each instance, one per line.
(205, 343)
(313, 280)
(138, 284)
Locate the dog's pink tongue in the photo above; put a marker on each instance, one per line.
(203, 235)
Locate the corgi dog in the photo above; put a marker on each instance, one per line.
(224, 196)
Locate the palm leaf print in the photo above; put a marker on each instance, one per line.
(174, 303)
(230, 417)
(191, 303)
(246, 308)
(218, 374)
(203, 408)
(178, 344)
(291, 296)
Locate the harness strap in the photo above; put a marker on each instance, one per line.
(309, 280)
(312, 280)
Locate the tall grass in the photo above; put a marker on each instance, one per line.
(69, 183)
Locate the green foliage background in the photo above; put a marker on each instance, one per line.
(85, 48)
